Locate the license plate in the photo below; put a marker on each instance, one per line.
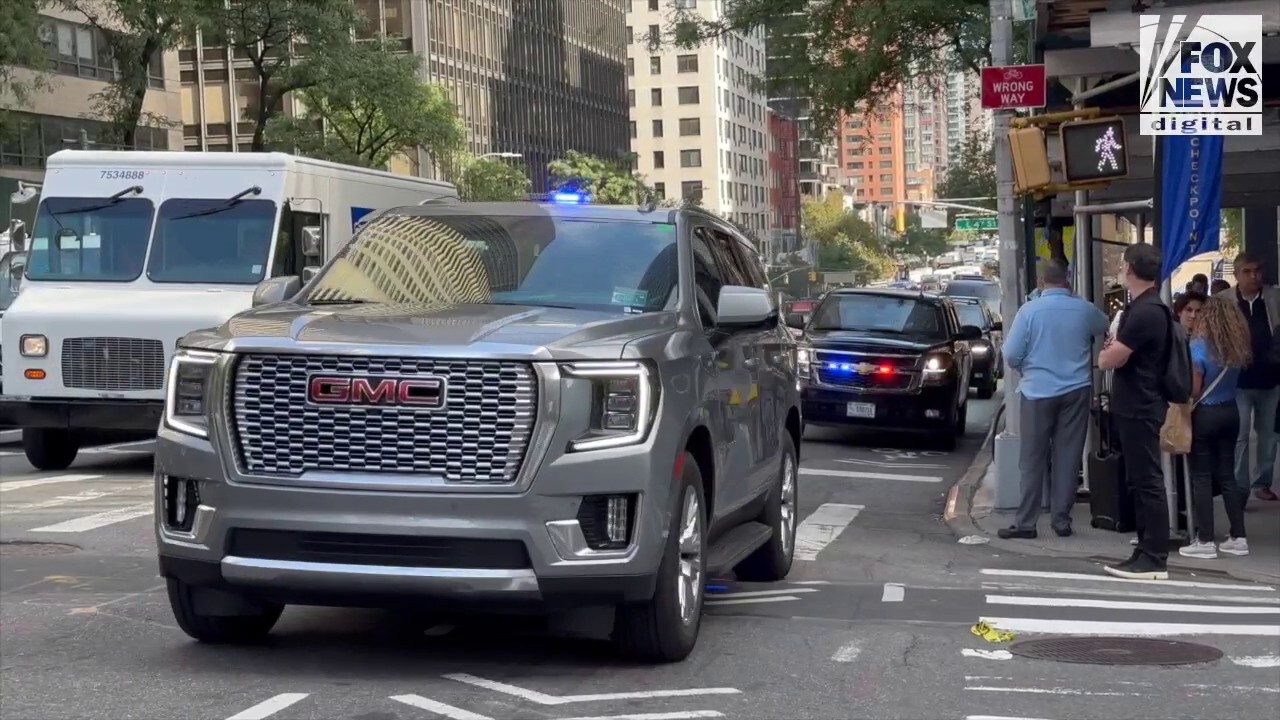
(861, 410)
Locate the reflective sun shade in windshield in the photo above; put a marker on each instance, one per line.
(534, 260)
(89, 239)
(212, 241)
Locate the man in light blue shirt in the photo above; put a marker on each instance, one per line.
(1051, 344)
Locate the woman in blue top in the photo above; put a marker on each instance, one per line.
(1219, 349)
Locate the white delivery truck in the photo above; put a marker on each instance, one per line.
(132, 250)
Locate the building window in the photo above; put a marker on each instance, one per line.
(853, 124)
(83, 51)
(690, 126)
(886, 191)
(631, 66)
(631, 98)
(655, 37)
(687, 63)
(655, 97)
(886, 151)
(659, 160)
(688, 95)
(653, 4)
(633, 129)
(886, 178)
(655, 65)
(36, 137)
(660, 190)
(657, 128)
(631, 35)
(686, 4)
(690, 158)
(886, 164)
(691, 190)
(885, 137)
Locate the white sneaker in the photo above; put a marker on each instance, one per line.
(1133, 542)
(1197, 549)
(1234, 546)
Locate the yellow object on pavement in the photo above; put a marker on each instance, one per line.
(990, 634)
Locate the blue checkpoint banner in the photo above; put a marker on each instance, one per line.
(1191, 198)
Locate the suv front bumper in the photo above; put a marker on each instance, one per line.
(927, 410)
(314, 546)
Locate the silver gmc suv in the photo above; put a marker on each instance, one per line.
(487, 404)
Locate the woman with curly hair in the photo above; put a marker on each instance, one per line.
(1220, 347)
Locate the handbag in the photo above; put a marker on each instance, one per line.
(1175, 434)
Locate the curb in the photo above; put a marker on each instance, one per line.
(959, 517)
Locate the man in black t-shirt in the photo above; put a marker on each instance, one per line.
(1139, 354)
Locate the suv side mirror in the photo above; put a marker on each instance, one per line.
(969, 332)
(276, 289)
(998, 326)
(740, 305)
(795, 320)
(309, 273)
(312, 241)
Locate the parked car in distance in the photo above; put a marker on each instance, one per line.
(988, 357)
(973, 286)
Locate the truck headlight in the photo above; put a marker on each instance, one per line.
(623, 399)
(33, 346)
(186, 407)
(937, 366)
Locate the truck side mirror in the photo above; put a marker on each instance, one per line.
(276, 289)
(17, 235)
(312, 241)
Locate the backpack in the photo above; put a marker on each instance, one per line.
(1175, 384)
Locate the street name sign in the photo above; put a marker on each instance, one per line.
(977, 224)
(1014, 87)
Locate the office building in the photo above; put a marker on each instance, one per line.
(784, 185)
(536, 78)
(871, 149)
(699, 117)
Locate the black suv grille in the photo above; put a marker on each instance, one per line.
(369, 549)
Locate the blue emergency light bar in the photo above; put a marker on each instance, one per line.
(569, 198)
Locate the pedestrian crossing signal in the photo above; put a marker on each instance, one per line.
(1094, 150)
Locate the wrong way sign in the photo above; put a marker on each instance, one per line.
(1014, 87)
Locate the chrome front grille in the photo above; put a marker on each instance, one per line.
(479, 436)
(112, 363)
(875, 372)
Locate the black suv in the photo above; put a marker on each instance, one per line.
(887, 359)
(988, 356)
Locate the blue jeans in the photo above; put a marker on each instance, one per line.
(1258, 413)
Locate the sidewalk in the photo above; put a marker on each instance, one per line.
(1262, 522)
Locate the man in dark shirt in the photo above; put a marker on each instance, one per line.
(1139, 354)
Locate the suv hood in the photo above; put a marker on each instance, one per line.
(509, 331)
(861, 340)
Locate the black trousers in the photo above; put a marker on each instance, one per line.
(1140, 450)
(1213, 447)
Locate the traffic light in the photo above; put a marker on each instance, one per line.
(902, 218)
(813, 276)
(1094, 150)
(1030, 159)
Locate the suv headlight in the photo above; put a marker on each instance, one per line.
(623, 399)
(186, 407)
(936, 367)
(804, 360)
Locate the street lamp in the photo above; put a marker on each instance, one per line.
(506, 155)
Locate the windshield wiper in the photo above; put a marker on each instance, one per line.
(335, 301)
(532, 304)
(118, 197)
(226, 205)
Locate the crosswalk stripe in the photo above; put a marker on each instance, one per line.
(97, 520)
(37, 482)
(439, 708)
(59, 501)
(1107, 578)
(871, 475)
(1129, 605)
(822, 528)
(1152, 593)
(269, 707)
(1125, 629)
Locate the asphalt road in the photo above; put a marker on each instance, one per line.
(875, 625)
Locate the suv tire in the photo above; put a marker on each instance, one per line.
(949, 440)
(987, 388)
(50, 449)
(663, 629)
(772, 561)
(219, 629)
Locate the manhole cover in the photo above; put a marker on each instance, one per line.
(24, 547)
(1116, 651)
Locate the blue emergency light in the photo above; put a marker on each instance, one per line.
(565, 197)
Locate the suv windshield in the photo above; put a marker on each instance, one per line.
(212, 241)
(11, 266)
(516, 260)
(971, 314)
(988, 291)
(879, 313)
(90, 238)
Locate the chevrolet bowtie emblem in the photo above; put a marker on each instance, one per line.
(864, 368)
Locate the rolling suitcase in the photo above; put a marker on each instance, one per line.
(1110, 503)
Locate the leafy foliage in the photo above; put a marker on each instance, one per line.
(367, 106)
(276, 35)
(607, 182)
(845, 242)
(1231, 232)
(917, 240)
(492, 180)
(137, 32)
(22, 58)
(972, 173)
(850, 54)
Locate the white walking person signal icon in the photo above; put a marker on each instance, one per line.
(1105, 148)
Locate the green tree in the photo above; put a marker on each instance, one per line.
(846, 54)
(606, 182)
(491, 180)
(277, 37)
(1232, 230)
(971, 173)
(368, 106)
(845, 242)
(137, 33)
(918, 240)
(22, 59)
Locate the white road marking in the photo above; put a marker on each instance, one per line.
(56, 479)
(760, 593)
(1107, 578)
(822, 528)
(847, 653)
(438, 708)
(97, 520)
(1110, 592)
(269, 707)
(987, 654)
(894, 465)
(685, 715)
(752, 601)
(997, 717)
(893, 592)
(812, 582)
(1130, 605)
(1258, 661)
(853, 475)
(1048, 691)
(60, 500)
(1125, 629)
(544, 699)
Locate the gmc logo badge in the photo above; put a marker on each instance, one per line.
(416, 393)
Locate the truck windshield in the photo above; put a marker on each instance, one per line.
(212, 241)
(608, 265)
(90, 239)
(879, 314)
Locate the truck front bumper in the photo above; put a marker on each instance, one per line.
(88, 414)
